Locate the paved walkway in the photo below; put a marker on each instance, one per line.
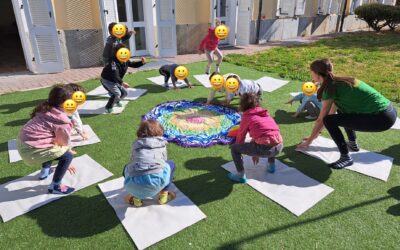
(27, 81)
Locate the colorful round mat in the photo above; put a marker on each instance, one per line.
(193, 124)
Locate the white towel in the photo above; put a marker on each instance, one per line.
(270, 84)
(97, 107)
(22, 195)
(152, 222)
(159, 80)
(133, 93)
(204, 80)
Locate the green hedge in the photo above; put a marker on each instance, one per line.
(378, 16)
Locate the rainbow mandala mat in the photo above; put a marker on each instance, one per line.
(193, 124)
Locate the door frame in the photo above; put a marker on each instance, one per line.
(174, 50)
(232, 18)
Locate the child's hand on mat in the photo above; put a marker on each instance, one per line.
(72, 169)
(304, 145)
(256, 160)
(84, 136)
(289, 102)
(125, 85)
(143, 60)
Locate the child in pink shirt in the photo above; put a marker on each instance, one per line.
(265, 134)
(45, 138)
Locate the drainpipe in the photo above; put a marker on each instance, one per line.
(259, 21)
(343, 16)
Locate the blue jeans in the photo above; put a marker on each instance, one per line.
(63, 163)
(115, 90)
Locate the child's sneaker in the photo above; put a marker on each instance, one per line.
(118, 104)
(166, 197)
(109, 111)
(44, 173)
(271, 168)
(166, 85)
(237, 178)
(136, 202)
(60, 189)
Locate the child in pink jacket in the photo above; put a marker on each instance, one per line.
(46, 137)
(266, 137)
(209, 45)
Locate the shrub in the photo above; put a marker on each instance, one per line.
(393, 17)
(374, 14)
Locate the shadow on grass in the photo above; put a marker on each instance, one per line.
(284, 117)
(395, 209)
(3, 147)
(151, 88)
(393, 151)
(237, 244)
(17, 123)
(76, 217)
(15, 107)
(208, 187)
(8, 178)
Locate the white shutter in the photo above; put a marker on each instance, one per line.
(109, 14)
(243, 22)
(389, 2)
(286, 7)
(166, 27)
(43, 36)
(300, 7)
(324, 7)
(354, 5)
(335, 6)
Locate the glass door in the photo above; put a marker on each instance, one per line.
(222, 14)
(131, 13)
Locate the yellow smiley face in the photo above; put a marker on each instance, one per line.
(79, 97)
(123, 55)
(309, 88)
(69, 106)
(221, 31)
(217, 81)
(181, 72)
(232, 84)
(118, 30)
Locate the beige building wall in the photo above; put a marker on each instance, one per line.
(311, 8)
(269, 9)
(192, 11)
(77, 14)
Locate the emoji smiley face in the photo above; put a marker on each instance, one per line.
(118, 30)
(79, 97)
(181, 72)
(69, 106)
(309, 88)
(221, 31)
(232, 84)
(123, 55)
(217, 81)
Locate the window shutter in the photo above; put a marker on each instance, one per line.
(286, 7)
(300, 7)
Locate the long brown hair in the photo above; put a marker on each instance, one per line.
(324, 68)
(57, 96)
(150, 128)
(249, 101)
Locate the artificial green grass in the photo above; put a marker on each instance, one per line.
(357, 215)
(372, 57)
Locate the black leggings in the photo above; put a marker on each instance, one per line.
(358, 122)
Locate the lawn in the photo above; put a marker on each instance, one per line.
(361, 213)
(374, 58)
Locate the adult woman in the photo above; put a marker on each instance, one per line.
(350, 103)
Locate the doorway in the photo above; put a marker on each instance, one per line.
(12, 57)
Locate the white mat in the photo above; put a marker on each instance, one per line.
(288, 186)
(204, 80)
(270, 84)
(293, 94)
(365, 162)
(159, 80)
(396, 124)
(133, 93)
(76, 141)
(151, 223)
(97, 107)
(27, 193)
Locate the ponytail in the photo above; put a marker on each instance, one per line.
(57, 96)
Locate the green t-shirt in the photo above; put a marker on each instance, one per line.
(359, 99)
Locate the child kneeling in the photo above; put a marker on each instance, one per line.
(266, 137)
(149, 172)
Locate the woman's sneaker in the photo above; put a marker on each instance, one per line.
(60, 189)
(353, 146)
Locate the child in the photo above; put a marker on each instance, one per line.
(310, 103)
(45, 138)
(228, 96)
(265, 134)
(169, 71)
(111, 41)
(245, 86)
(209, 45)
(75, 117)
(111, 78)
(149, 172)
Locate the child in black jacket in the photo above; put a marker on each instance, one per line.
(111, 78)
